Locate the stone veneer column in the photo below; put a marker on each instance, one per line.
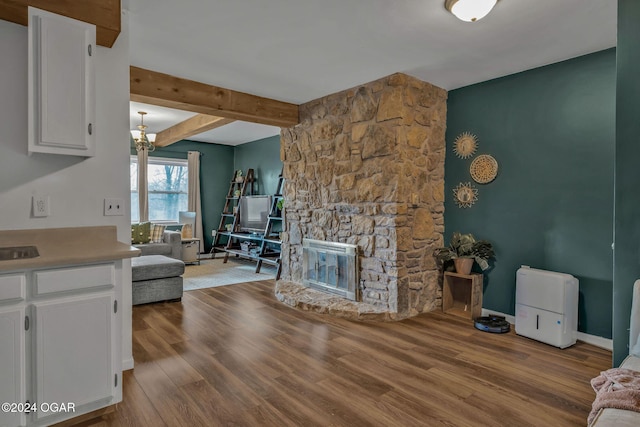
(366, 166)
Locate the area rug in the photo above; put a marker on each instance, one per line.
(214, 272)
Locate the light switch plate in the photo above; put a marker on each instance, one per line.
(113, 207)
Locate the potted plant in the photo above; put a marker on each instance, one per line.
(279, 206)
(239, 177)
(464, 249)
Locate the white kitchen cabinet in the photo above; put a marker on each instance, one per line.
(62, 327)
(61, 85)
(12, 366)
(73, 350)
(12, 347)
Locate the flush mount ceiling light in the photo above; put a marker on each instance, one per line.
(470, 10)
(142, 139)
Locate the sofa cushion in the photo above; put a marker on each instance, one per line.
(141, 233)
(171, 246)
(611, 417)
(155, 249)
(146, 291)
(631, 362)
(157, 231)
(150, 267)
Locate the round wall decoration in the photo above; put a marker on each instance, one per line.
(465, 195)
(483, 169)
(465, 145)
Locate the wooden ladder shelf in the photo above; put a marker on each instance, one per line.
(230, 216)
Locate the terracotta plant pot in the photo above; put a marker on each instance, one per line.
(463, 265)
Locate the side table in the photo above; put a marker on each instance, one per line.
(190, 251)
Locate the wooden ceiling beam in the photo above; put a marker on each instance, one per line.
(192, 126)
(104, 14)
(165, 90)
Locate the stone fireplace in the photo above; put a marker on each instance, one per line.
(366, 167)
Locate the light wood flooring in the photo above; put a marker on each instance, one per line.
(235, 356)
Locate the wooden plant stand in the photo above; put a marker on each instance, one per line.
(462, 294)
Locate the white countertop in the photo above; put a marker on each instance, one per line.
(66, 246)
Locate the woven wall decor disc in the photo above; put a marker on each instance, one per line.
(484, 169)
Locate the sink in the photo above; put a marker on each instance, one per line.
(18, 252)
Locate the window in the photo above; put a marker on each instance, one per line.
(168, 188)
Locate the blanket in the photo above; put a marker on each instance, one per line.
(616, 388)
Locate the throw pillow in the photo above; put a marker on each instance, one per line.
(157, 230)
(141, 233)
(187, 231)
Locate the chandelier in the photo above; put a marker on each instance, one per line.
(142, 139)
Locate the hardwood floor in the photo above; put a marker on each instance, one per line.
(235, 356)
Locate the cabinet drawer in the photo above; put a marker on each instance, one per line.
(12, 287)
(75, 278)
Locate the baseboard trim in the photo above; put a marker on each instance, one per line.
(127, 364)
(507, 317)
(601, 342)
(85, 419)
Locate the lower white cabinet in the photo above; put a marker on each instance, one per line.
(60, 352)
(12, 364)
(73, 351)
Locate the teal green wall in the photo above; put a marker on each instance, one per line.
(627, 174)
(552, 131)
(263, 156)
(216, 168)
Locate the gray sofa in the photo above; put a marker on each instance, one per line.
(157, 274)
(612, 417)
(171, 246)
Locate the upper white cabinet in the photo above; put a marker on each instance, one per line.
(61, 85)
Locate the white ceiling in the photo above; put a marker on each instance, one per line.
(300, 50)
(236, 133)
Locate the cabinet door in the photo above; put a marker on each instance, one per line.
(73, 351)
(12, 363)
(61, 85)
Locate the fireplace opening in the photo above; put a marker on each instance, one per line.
(331, 267)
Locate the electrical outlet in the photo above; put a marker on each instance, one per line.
(113, 207)
(41, 206)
